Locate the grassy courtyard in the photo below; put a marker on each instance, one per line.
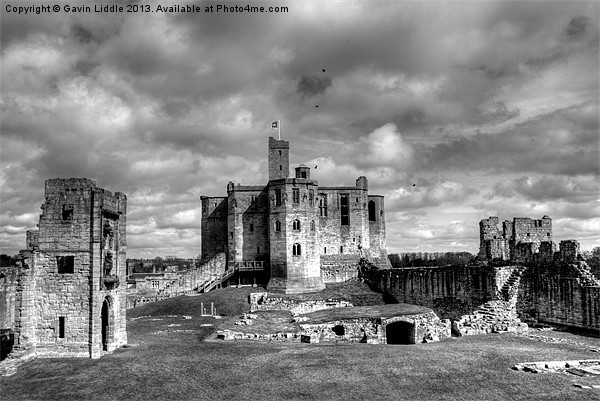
(172, 362)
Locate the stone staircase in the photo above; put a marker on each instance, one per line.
(586, 278)
(510, 288)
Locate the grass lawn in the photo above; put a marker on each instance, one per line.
(172, 362)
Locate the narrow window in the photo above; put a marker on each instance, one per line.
(258, 249)
(277, 225)
(65, 264)
(372, 211)
(341, 250)
(231, 234)
(323, 205)
(528, 235)
(280, 153)
(303, 174)
(67, 212)
(155, 284)
(312, 225)
(251, 227)
(296, 195)
(325, 250)
(61, 327)
(280, 167)
(254, 202)
(345, 210)
(296, 250)
(311, 196)
(278, 197)
(296, 225)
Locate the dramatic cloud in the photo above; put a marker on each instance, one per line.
(453, 110)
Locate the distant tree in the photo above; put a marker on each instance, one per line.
(593, 260)
(395, 260)
(7, 261)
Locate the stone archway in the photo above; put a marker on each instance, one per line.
(400, 332)
(107, 324)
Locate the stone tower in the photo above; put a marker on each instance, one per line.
(293, 226)
(71, 295)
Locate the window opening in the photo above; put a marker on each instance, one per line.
(311, 196)
(296, 195)
(345, 210)
(323, 205)
(67, 212)
(277, 225)
(296, 225)
(278, 197)
(251, 227)
(372, 211)
(312, 225)
(65, 264)
(296, 250)
(61, 327)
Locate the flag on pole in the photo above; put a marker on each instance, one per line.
(277, 125)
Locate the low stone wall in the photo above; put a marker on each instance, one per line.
(491, 317)
(260, 301)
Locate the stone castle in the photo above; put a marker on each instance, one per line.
(69, 298)
(293, 224)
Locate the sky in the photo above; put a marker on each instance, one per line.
(454, 111)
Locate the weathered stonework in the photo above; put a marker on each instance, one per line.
(293, 224)
(518, 240)
(484, 299)
(70, 293)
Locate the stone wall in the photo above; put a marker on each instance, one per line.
(339, 268)
(260, 301)
(558, 294)
(8, 288)
(214, 226)
(173, 284)
(451, 291)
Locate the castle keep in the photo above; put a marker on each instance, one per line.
(70, 296)
(293, 224)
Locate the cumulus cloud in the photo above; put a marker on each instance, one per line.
(166, 107)
(312, 85)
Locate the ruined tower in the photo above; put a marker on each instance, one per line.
(71, 294)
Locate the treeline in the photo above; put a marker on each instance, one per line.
(424, 259)
(158, 265)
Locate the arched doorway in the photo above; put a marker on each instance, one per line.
(400, 332)
(106, 329)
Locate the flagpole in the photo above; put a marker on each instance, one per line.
(279, 130)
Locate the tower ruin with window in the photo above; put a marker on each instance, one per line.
(71, 293)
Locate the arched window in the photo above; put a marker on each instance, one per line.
(296, 250)
(372, 211)
(296, 225)
(277, 225)
(312, 225)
